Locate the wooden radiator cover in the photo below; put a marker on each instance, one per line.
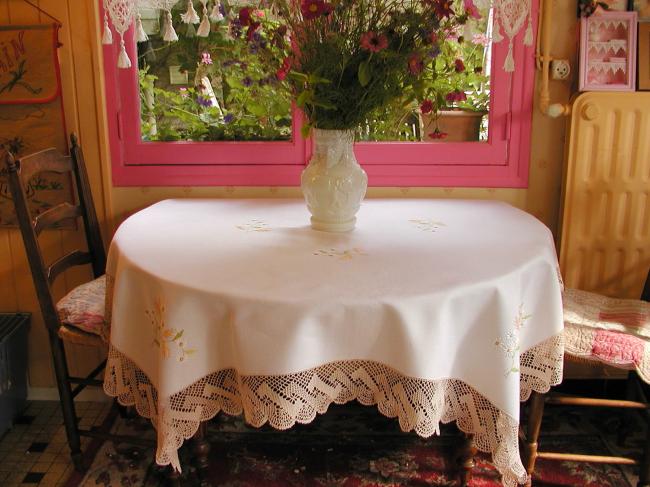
(605, 223)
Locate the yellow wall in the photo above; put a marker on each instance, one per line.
(82, 90)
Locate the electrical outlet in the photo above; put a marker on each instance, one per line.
(560, 69)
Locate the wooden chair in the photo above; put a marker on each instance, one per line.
(612, 331)
(79, 317)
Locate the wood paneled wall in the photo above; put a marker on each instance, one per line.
(79, 73)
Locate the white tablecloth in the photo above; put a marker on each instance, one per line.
(436, 310)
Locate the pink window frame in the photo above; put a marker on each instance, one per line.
(502, 161)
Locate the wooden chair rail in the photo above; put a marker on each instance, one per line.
(74, 258)
(50, 160)
(573, 457)
(563, 400)
(56, 215)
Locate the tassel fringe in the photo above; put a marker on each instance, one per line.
(204, 28)
(107, 38)
(140, 34)
(528, 38)
(216, 15)
(123, 60)
(496, 33)
(169, 34)
(190, 17)
(509, 64)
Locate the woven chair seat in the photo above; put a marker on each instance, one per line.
(83, 307)
(615, 332)
(70, 334)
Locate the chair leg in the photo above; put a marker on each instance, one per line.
(67, 402)
(201, 449)
(533, 426)
(644, 467)
(625, 428)
(465, 460)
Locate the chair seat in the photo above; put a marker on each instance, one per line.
(76, 336)
(612, 331)
(84, 306)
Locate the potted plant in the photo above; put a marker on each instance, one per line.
(455, 96)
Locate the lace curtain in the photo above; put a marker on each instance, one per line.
(510, 16)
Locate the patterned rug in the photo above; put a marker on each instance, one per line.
(354, 446)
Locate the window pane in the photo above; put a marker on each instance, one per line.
(210, 88)
(457, 83)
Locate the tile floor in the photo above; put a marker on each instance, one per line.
(34, 451)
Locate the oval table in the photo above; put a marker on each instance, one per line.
(434, 310)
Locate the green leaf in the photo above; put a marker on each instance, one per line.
(234, 82)
(364, 73)
(305, 129)
(314, 79)
(298, 76)
(323, 104)
(178, 335)
(256, 109)
(303, 98)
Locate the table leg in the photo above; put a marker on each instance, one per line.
(201, 449)
(533, 426)
(465, 460)
(173, 477)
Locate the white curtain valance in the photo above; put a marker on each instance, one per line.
(510, 16)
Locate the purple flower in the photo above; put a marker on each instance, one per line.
(247, 81)
(228, 118)
(235, 28)
(203, 101)
(434, 52)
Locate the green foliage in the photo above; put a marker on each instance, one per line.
(254, 71)
(444, 78)
(251, 103)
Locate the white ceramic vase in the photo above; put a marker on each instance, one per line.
(333, 183)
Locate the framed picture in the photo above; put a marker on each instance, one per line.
(608, 52)
(642, 8)
(644, 56)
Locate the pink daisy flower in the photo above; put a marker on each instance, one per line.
(373, 42)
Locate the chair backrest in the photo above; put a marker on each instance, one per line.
(20, 171)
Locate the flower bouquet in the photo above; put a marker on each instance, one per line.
(344, 60)
(348, 58)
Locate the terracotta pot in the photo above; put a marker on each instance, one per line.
(459, 125)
